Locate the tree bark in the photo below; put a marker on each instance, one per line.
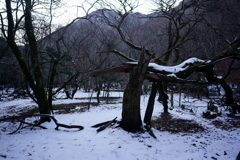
(227, 89)
(163, 97)
(44, 107)
(150, 106)
(131, 118)
(34, 80)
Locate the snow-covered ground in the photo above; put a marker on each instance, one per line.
(114, 143)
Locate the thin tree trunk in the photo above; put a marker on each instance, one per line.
(172, 99)
(228, 94)
(40, 93)
(50, 82)
(163, 97)
(228, 91)
(150, 106)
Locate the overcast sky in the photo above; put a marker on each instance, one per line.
(71, 11)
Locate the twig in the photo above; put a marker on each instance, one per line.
(19, 127)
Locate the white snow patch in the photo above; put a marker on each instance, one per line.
(114, 143)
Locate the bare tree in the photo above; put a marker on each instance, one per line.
(22, 21)
(116, 17)
(178, 29)
(35, 78)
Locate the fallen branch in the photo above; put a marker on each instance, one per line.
(22, 121)
(3, 156)
(104, 125)
(19, 127)
(64, 125)
(100, 124)
(69, 126)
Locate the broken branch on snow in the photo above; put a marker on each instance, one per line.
(104, 125)
(22, 120)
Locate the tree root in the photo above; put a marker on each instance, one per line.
(149, 130)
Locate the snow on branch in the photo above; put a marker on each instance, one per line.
(153, 68)
(172, 69)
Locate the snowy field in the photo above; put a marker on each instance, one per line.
(114, 143)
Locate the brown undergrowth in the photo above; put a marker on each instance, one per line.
(165, 122)
(60, 108)
(77, 107)
(228, 124)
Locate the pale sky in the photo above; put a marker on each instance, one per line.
(71, 10)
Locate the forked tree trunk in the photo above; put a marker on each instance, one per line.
(131, 118)
(35, 80)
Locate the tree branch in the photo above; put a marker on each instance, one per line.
(22, 121)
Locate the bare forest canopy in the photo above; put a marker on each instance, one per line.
(39, 62)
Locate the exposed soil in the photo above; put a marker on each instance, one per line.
(65, 108)
(228, 124)
(62, 108)
(167, 123)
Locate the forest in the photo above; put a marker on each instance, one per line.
(189, 48)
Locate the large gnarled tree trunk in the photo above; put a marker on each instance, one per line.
(34, 80)
(131, 118)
